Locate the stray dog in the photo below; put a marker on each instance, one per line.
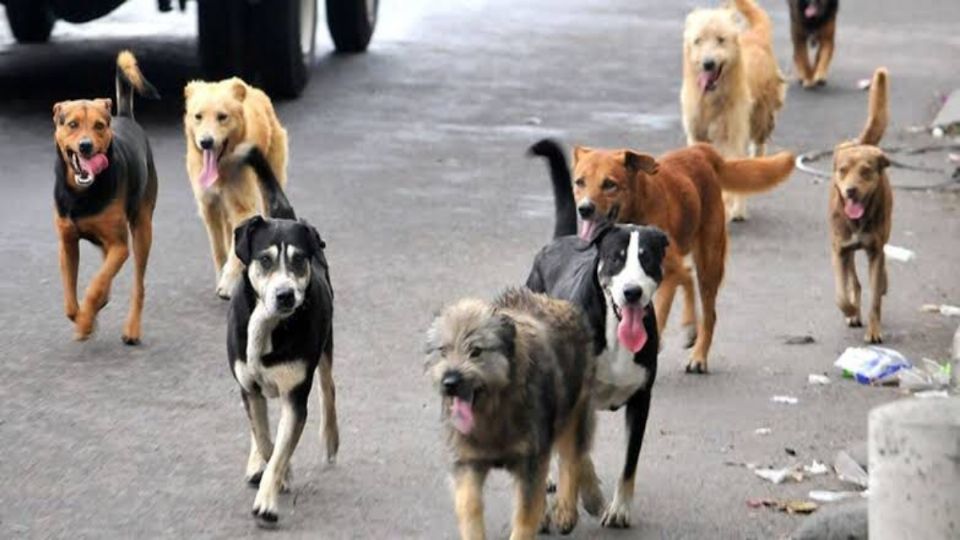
(106, 185)
(861, 212)
(680, 193)
(813, 23)
(218, 117)
(279, 331)
(514, 377)
(732, 88)
(612, 278)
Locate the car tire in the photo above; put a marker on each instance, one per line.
(288, 31)
(220, 28)
(351, 23)
(31, 21)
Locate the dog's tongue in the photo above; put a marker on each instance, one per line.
(586, 229)
(209, 174)
(811, 11)
(631, 332)
(461, 413)
(706, 79)
(853, 209)
(94, 165)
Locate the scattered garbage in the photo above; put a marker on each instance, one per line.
(848, 470)
(943, 309)
(863, 84)
(763, 431)
(929, 375)
(926, 394)
(898, 253)
(816, 378)
(834, 496)
(872, 364)
(799, 340)
(533, 121)
(789, 400)
(817, 468)
(788, 506)
(779, 476)
(790, 451)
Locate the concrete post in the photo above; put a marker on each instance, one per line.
(915, 469)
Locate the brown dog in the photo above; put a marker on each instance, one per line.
(681, 193)
(106, 184)
(813, 22)
(861, 209)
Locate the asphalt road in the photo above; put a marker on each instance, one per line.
(410, 160)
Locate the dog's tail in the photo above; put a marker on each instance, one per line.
(878, 114)
(756, 17)
(129, 78)
(755, 175)
(565, 206)
(249, 154)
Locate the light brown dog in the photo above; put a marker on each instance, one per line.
(861, 212)
(732, 87)
(680, 192)
(106, 189)
(218, 117)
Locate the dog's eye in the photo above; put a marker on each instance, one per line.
(265, 261)
(580, 183)
(475, 352)
(221, 117)
(696, 41)
(99, 126)
(843, 171)
(609, 185)
(73, 124)
(198, 116)
(721, 40)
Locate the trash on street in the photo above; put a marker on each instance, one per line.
(898, 254)
(872, 364)
(848, 470)
(818, 379)
(789, 400)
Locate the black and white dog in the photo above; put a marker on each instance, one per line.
(279, 331)
(612, 278)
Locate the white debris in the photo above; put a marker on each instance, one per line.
(926, 394)
(763, 431)
(834, 496)
(789, 400)
(816, 468)
(943, 309)
(816, 378)
(898, 253)
(777, 476)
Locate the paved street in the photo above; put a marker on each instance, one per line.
(410, 161)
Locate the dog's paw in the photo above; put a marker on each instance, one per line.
(808, 84)
(696, 366)
(83, 326)
(563, 517)
(265, 507)
(617, 515)
(820, 81)
(253, 480)
(873, 335)
(854, 322)
(71, 311)
(130, 340)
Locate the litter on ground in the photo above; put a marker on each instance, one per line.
(848, 470)
(816, 378)
(789, 400)
(872, 364)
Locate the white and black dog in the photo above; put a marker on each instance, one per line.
(612, 278)
(279, 332)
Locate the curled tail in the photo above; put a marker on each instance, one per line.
(755, 175)
(756, 17)
(129, 78)
(250, 154)
(564, 205)
(877, 111)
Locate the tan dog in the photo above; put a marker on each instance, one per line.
(732, 87)
(218, 117)
(680, 193)
(105, 191)
(861, 211)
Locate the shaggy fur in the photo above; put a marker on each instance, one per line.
(732, 87)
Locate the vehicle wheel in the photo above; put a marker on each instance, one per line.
(351, 23)
(31, 21)
(287, 44)
(220, 28)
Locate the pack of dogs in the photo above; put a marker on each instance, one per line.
(519, 377)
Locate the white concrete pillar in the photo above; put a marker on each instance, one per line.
(915, 469)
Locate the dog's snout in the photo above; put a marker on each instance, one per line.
(285, 298)
(586, 210)
(850, 192)
(632, 293)
(206, 143)
(451, 382)
(709, 64)
(85, 147)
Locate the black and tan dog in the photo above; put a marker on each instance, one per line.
(514, 377)
(279, 331)
(612, 277)
(861, 212)
(813, 22)
(106, 188)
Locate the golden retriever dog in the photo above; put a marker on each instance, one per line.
(861, 212)
(217, 118)
(732, 86)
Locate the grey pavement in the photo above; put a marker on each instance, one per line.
(410, 160)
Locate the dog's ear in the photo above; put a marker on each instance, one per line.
(239, 89)
(659, 240)
(579, 152)
(882, 162)
(317, 245)
(106, 103)
(190, 88)
(57, 108)
(634, 161)
(243, 238)
(506, 333)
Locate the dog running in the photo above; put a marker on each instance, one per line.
(861, 212)
(514, 377)
(813, 23)
(218, 117)
(105, 189)
(732, 87)
(279, 331)
(612, 278)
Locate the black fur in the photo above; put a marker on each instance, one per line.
(566, 212)
(828, 10)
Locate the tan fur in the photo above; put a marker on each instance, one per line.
(680, 192)
(128, 64)
(235, 196)
(859, 171)
(741, 110)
